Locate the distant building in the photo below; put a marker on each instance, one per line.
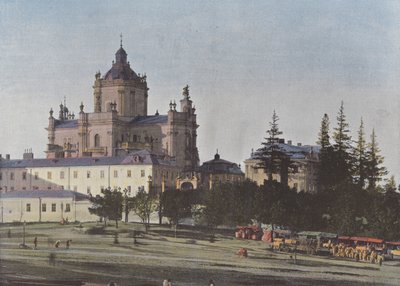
(218, 171)
(304, 176)
(88, 175)
(120, 123)
(44, 206)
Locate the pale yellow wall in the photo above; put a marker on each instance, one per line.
(303, 180)
(139, 177)
(15, 210)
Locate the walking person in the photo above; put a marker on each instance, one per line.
(68, 243)
(35, 243)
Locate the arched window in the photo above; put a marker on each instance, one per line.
(97, 140)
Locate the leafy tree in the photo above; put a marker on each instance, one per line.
(143, 205)
(342, 160)
(177, 205)
(215, 208)
(375, 170)
(360, 156)
(108, 205)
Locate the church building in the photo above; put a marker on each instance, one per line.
(120, 123)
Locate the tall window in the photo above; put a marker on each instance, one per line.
(129, 173)
(88, 174)
(49, 175)
(97, 140)
(142, 173)
(102, 174)
(75, 174)
(43, 207)
(53, 207)
(67, 208)
(23, 175)
(28, 207)
(115, 173)
(36, 175)
(62, 175)
(11, 176)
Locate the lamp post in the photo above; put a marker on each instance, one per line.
(23, 238)
(127, 192)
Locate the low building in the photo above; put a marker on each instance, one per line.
(140, 170)
(218, 171)
(305, 161)
(44, 206)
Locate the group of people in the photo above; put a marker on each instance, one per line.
(56, 244)
(366, 253)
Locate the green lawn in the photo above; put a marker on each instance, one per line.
(188, 259)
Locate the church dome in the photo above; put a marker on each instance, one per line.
(121, 68)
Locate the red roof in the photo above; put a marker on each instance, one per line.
(367, 239)
(397, 243)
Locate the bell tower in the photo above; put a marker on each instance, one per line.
(121, 85)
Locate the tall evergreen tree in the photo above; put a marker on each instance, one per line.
(360, 156)
(375, 170)
(272, 156)
(342, 160)
(325, 155)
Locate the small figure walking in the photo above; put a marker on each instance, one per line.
(9, 233)
(57, 244)
(68, 243)
(52, 259)
(35, 243)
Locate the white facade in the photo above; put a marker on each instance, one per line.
(44, 206)
(140, 170)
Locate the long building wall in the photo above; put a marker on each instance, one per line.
(85, 179)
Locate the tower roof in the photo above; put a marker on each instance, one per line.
(121, 68)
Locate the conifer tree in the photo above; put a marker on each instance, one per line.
(272, 156)
(325, 155)
(375, 170)
(342, 160)
(360, 156)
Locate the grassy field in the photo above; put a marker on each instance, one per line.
(188, 259)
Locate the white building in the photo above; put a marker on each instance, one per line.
(44, 206)
(88, 175)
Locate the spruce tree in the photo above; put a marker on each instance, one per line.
(375, 170)
(360, 156)
(342, 160)
(273, 158)
(325, 155)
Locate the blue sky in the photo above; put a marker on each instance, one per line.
(242, 60)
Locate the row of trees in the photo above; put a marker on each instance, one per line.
(352, 196)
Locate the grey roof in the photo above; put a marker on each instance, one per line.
(144, 156)
(44, 194)
(66, 123)
(218, 165)
(121, 69)
(295, 152)
(150, 119)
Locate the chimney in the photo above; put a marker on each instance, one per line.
(299, 144)
(28, 154)
(289, 142)
(7, 156)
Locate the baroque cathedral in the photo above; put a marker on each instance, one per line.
(120, 123)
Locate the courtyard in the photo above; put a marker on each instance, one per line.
(192, 256)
